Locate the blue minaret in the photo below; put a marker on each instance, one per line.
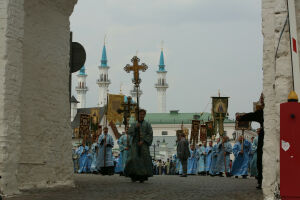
(81, 88)
(161, 85)
(104, 57)
(82, 71)
(161, 62)
(103, 81)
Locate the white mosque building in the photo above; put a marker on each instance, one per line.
(164, 123)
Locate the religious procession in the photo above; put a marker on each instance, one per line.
(120, 141)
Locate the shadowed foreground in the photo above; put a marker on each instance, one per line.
(94, 187)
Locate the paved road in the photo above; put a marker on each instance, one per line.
(96, 187)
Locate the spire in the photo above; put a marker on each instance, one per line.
(161, 62)
(104, 58)
(82, 71)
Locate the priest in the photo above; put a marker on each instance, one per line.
(208, 159)
(139, 165)
(105, 161)
(224, 149)
(241, 151)
(192, 164)
(214, 158)
(124, 144)
(202, 159)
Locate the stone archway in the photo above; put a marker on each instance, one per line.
(34, 105)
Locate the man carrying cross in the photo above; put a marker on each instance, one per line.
(139, 164)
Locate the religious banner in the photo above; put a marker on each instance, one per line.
(84, 127)
(219, 112)
(114, 105)
(195, 132)
(209, 129)
(203, 134)
(244, 125)
(95, 115)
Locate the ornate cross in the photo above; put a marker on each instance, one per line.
(136, 68)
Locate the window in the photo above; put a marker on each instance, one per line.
(164, 133)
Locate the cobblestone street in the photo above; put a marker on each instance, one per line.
(94, 187)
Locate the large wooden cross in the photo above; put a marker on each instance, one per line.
(136, 68)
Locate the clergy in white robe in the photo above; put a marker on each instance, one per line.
(241, 151)
(105, 161)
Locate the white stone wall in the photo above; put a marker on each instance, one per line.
(276, 87)
(11, 68)
(35, 127)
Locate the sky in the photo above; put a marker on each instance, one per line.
(209, 45)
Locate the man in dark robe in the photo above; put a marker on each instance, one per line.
(257, 116)
(139, 163)
(183, 153)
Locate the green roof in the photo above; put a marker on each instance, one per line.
(177, 118)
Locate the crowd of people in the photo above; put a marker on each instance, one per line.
(203, 159)
(134, 160)
(213, 160)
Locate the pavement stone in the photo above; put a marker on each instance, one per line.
(98, 187)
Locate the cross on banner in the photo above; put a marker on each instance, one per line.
(136, 68)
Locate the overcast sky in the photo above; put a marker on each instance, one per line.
(208, 45)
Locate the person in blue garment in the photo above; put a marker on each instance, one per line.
(253, 163)
(105, 162)
(118, 164)
(75, 159)
(241, 151)
(208, 151)
(214, 158)
(202, 159)
(124, 144)
(193, 161)
(250, 154)
(94, 153)
(224, 149)
(83, 158)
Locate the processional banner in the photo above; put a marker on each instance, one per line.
(203, 133)
(242, 125)
(195, 131)
(219, 112)
(114, 104)
(95, 115)
(84, 127)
